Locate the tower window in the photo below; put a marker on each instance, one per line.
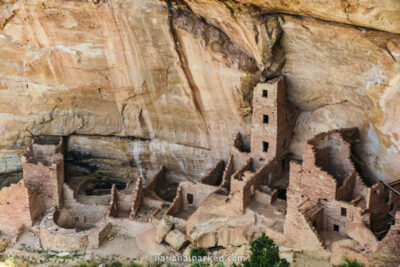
(336, 228)
(284, 143)
(189, 198)
(265, 119)
(265, 93)
(265, 146)
(343, 212)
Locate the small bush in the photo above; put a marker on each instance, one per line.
(197, 252)
(350, 263)
(116, 264)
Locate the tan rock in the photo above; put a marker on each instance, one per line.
(4, 244)
(116, 81)
(162, 229)
(207, 240)
(381, 15)
(176, 239)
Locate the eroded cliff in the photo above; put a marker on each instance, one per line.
(181, 73)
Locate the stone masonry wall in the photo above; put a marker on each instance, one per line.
(272, 122)
(214, 176)
(154, 182)
(228, 172)
(113, 208)
(19, 207)
(198, 191)
(46, 180)
(177, 203)
(299, 232)
(137, 198)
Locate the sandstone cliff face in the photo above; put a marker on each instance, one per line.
(182, 73)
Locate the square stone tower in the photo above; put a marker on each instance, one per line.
(272, 122)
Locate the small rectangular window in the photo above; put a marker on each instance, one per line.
(343, 212)
(265, 119)
(189, 198)
(336, 228)
(265, 93)
(284, 143)
(265, 146)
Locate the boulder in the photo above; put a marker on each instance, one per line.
(176, 239)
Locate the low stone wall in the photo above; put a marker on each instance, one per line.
(265, 198)
(55, 237)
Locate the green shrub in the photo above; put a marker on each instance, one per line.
(116, 264)
(91, 264)
(197, 252)
(350, 263)
(264, 253)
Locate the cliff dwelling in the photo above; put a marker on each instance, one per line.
(137, 129)
(320, 204)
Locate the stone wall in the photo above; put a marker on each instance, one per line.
(177, 203)
(378, 203)
(46, 177)
(154, 182)
(228, 172)
(215, 175)
(198, 193)
(300, 233)
(54, 237)
(137, 198)
(339, 214)
(19, 208)
(272, 122)
(113, 208)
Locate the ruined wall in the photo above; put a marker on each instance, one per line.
(46, 178)
(377, 202)
(154, 182)
(197, 191)
(237, 176)
(345, 192)
(340, 213)
(300, 233)
(54, 237)
(19, 208)
(113, 209)
(214, 176)
(228, 172)
(177, 204)
(306, 181)
(389, 246)
(137, 198)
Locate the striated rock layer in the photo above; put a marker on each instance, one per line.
(182, 73)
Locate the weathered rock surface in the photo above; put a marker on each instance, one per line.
(137, 68)
(214, 224)
(176, 239)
